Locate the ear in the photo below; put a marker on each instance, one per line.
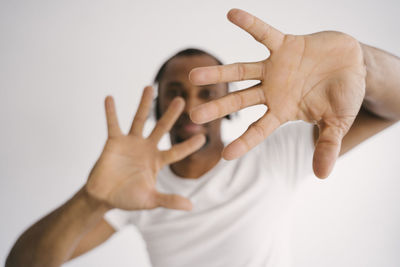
(157, 109)
(228, 89)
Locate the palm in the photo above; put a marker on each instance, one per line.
(125, 174)
(302, 83)
(134, 175)
(318, 78)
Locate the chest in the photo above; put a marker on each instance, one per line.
(241, 211)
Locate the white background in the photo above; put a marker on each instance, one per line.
(59, 59)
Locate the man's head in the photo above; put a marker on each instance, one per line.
(173, 80)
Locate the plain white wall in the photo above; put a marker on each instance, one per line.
(59, 59)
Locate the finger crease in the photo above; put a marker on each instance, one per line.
(265, 34)
(238, 99)
(241, 71)
(258, 129)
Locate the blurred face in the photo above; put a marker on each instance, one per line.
(175, 82)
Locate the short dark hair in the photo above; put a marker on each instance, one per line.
(185, 52)
(182, 53)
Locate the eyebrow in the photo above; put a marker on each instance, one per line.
(174, 83)
(181, 85)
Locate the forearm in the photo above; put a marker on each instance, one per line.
(50, 241)
(382, 95)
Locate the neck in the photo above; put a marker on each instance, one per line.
(198, 163)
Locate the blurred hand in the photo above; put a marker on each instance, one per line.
(318, 78)
(125, 174)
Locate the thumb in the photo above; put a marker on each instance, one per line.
(172, 201)
(327, 150)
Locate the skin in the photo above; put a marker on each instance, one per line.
(359, 99)
(175, 82)
(123, 177)
(318, 78)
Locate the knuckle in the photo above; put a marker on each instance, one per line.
(219, 70)
(266, 32)
(220, 107)
(252, 26)
(238, 101)
(162, 124)
(258, 130)
(139, 120)
(240, 71)
(261, 96)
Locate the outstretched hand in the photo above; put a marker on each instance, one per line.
(318, 78)
(125, 174)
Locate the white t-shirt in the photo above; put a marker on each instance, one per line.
(241, 208)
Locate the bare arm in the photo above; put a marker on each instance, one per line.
(123, 177)
(52, 240)
(323, 78)
(382, 95)
(381, 106)
(96, 236)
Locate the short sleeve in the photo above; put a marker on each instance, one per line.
(289, 151)
(118, 218)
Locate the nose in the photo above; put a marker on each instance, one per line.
(191, 101)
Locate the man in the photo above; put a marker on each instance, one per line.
(238, 208)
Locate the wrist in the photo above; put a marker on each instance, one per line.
(370, 90)
(94, 205)
(382, 83)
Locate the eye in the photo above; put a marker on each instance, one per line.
(171, 93)
(206, 94)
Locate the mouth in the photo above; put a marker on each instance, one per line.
(191, 128)
(184, 128)
(183, 131)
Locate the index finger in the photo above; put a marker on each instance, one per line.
(254, 135)
(181, 150)
(225, 105)
(165, 123)
(227, 73)
(261, 31)
(142, 112)
(111, 117)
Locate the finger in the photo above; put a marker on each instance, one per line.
(180, 151)
(261, 31)
(327, 150)
(255, 134)
(168, 119)
(111, 116)
(170, 201)
(225, 105)
(227, 73)
(142, 112)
